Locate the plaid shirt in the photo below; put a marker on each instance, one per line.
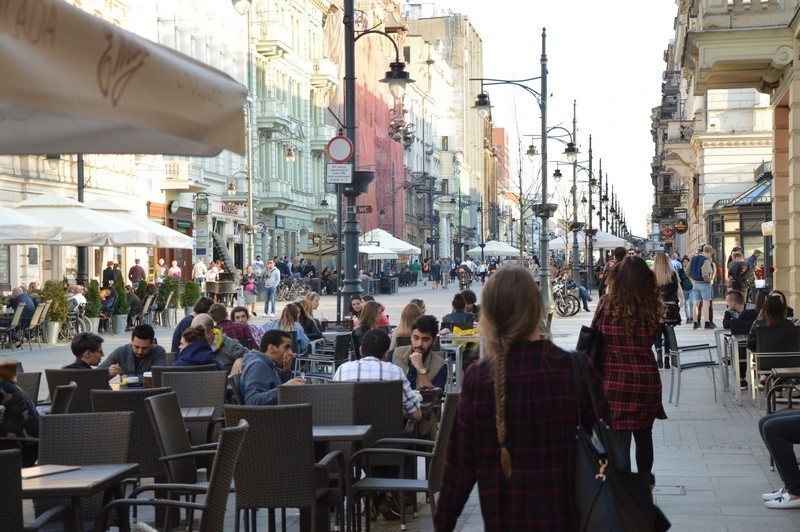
(238, 331)
(371, 369)
(541, 421)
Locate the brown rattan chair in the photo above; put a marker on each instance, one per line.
(83, 439)
(234, 381)
(216, 500)
(286, 477)
(11, 509)
(7, 332)
(160, 370)
(31, 330)
(143, 448)
(360, 486)
(30, 382)
(199, 389)
(62, 398)
(86, 379)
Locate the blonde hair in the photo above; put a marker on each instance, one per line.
(290, 316)
(663, 269)
(502, 324)
(306, 310)
(407, 317)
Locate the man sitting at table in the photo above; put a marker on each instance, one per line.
(423, 368)
(138, 356)
(237, 331)
(738, 309)
(266, 369)
(373, 366)
(229, 352)
(88, 351)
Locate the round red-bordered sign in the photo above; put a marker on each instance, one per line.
(340, 149)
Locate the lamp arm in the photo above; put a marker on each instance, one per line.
(396, 50)
(518, 83)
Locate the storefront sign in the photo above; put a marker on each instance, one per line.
(681, 226)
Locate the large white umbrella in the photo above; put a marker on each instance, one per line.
(82, 226)
(18, 228)
(372, 252)
(386, 240)
(74, 83)
(600, 240)
(495, 248)
(164, 236)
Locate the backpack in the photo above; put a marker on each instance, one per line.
(686, 283)
(696, 267)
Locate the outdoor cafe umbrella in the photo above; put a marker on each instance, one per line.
(82, 226)
(600, 240)
(74, 83)
(494, 248)
(17, 228)
(386, 240)
(163, 235)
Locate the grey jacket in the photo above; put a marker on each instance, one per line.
(130, 364)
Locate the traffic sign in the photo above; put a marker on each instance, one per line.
(363, 209)
(340, 174)
(340, 149)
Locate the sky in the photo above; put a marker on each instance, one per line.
(608, 57)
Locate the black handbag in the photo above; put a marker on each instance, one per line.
(590, 341)
(608, 496)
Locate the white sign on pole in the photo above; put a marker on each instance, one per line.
(339, 174)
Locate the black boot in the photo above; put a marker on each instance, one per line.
(666, 361)
(660, 357)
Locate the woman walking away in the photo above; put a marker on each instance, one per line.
(669, 286)
(516, 419)
(630, 322)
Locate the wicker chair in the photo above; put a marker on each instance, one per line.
(143, 448)
(288, 477)
(213, 508)
(7, 332)
(236, 392)
(160, 370)
(32, 329)
(30, 382)
(62, 398)
(11, 515)
(360, 486)
(86, 379)
(198, 389)
(83, 439)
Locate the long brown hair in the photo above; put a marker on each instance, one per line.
(407, 317)
(289, 316)
(507, 291)
(634, 296)
(774, 311)
(370, 315)
(663, 269)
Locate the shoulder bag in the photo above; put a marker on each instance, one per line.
(608, 496)
(590, 341)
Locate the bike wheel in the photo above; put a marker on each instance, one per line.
(574, 305)
(86, 325)
(562, 307)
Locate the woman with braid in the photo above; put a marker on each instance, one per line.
(516, 420)
(629, 317)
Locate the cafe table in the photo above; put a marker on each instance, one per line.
(76, 483)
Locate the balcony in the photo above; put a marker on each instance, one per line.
(272, 113)
(183, 176)
(279, 197)
(325, 74)
(274, 39)
(319, 136)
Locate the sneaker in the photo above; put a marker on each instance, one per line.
(783, 503)
(272, 315)
(388, 508)
(696, 325)
(774, 495)
(254, 314)
(743, 386)
(710, 325)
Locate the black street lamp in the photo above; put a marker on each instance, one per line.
(545, 210)
(397, 78)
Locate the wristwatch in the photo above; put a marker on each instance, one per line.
(423, 371)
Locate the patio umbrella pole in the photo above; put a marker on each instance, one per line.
(82, 275)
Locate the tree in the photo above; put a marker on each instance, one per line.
(59, 308)
(93, 305)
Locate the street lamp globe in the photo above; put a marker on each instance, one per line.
(571, 152)
(241, 6)
(531, 153)
(482, 105)
(397, 78)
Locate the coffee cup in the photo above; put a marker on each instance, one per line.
(148, 379)
(133, 379)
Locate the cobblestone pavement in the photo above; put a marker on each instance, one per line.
(710, 463)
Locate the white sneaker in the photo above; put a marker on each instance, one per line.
(774, 495)
(783, 503)
(272, 315)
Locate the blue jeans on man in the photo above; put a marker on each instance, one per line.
(270, 293)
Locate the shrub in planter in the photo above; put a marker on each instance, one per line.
(169, 286)
(191, 293)
(141, 291)
(92, 309)
(123, 305)
(59, 310)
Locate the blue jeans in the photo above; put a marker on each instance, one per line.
(688, 305)
(270, 292)
(584, 294)
(780, 431)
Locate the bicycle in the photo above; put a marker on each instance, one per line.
(76, 324)
(566, 303)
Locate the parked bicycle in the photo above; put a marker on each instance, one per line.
(293, 289)
(76, 323)
(566, 302)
